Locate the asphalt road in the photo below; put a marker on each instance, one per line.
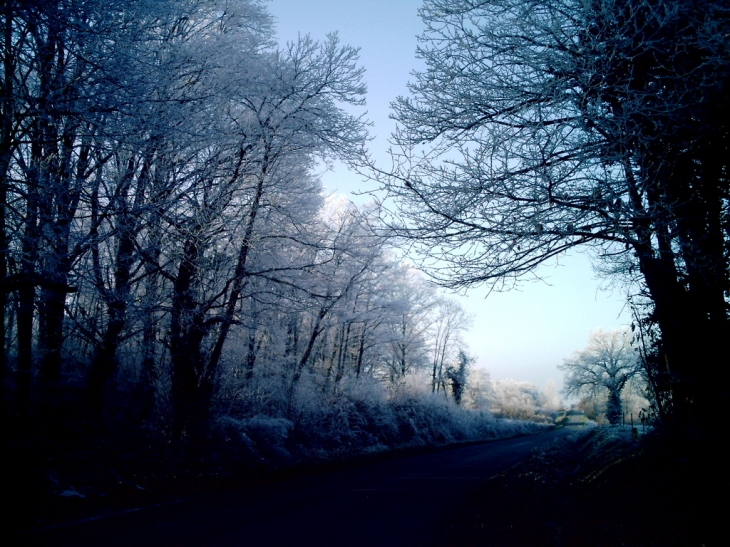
(403, 502)
(575, 418)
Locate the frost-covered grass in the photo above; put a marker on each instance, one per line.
(360, 417)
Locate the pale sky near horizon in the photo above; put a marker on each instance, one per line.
(521, 334)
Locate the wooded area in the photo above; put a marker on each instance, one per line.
(542, 126)
(167, 252)
(182, 306)
(181, 300)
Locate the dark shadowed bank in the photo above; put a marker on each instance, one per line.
(67, 468)
(600, 488)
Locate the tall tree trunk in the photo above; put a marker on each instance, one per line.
(314, 335)
(689, 305)
(7, 111)
(26, 291)
(63, 204)
(127, 221)
(150, 309)
(149, 374)
(342, 356)
(360, 351)
(251, 350)
(186, 335)
(194, 376)
(239, 277)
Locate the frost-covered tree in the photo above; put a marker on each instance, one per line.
(72, 87)
(539, 126)
(450, 320)
(409, 324)
(514, 399)
(550, 397)
(479, 391)
(157, 156)
(604, 367)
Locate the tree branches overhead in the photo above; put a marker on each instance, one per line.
(537, 127)
(162, 230)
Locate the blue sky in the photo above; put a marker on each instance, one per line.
(522, 334)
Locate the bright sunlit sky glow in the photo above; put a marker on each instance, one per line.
(522, 334)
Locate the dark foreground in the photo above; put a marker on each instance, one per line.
(403, 502)
(603, 490)
(570, 487)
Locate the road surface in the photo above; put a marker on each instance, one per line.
(403, 502)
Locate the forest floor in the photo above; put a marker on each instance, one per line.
(600, 488)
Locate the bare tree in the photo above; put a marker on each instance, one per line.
(449, 322)
(515, 400)
(60, 92)
(408, 327)
(537, 127)
(606, 365)
(280, 122)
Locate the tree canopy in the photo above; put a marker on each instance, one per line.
(540, 126)
(165, 242)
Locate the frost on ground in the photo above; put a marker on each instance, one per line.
(362, 418)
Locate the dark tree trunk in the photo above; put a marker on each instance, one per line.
(127, 221)
(6, 146)
(342, 356)
(360, 352)
(314, 335)
(239, 277)
(186, 335)
(251, 351)
(26, 292)
(613, 408)
(63, 203)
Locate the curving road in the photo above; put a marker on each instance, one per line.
(404, 502)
